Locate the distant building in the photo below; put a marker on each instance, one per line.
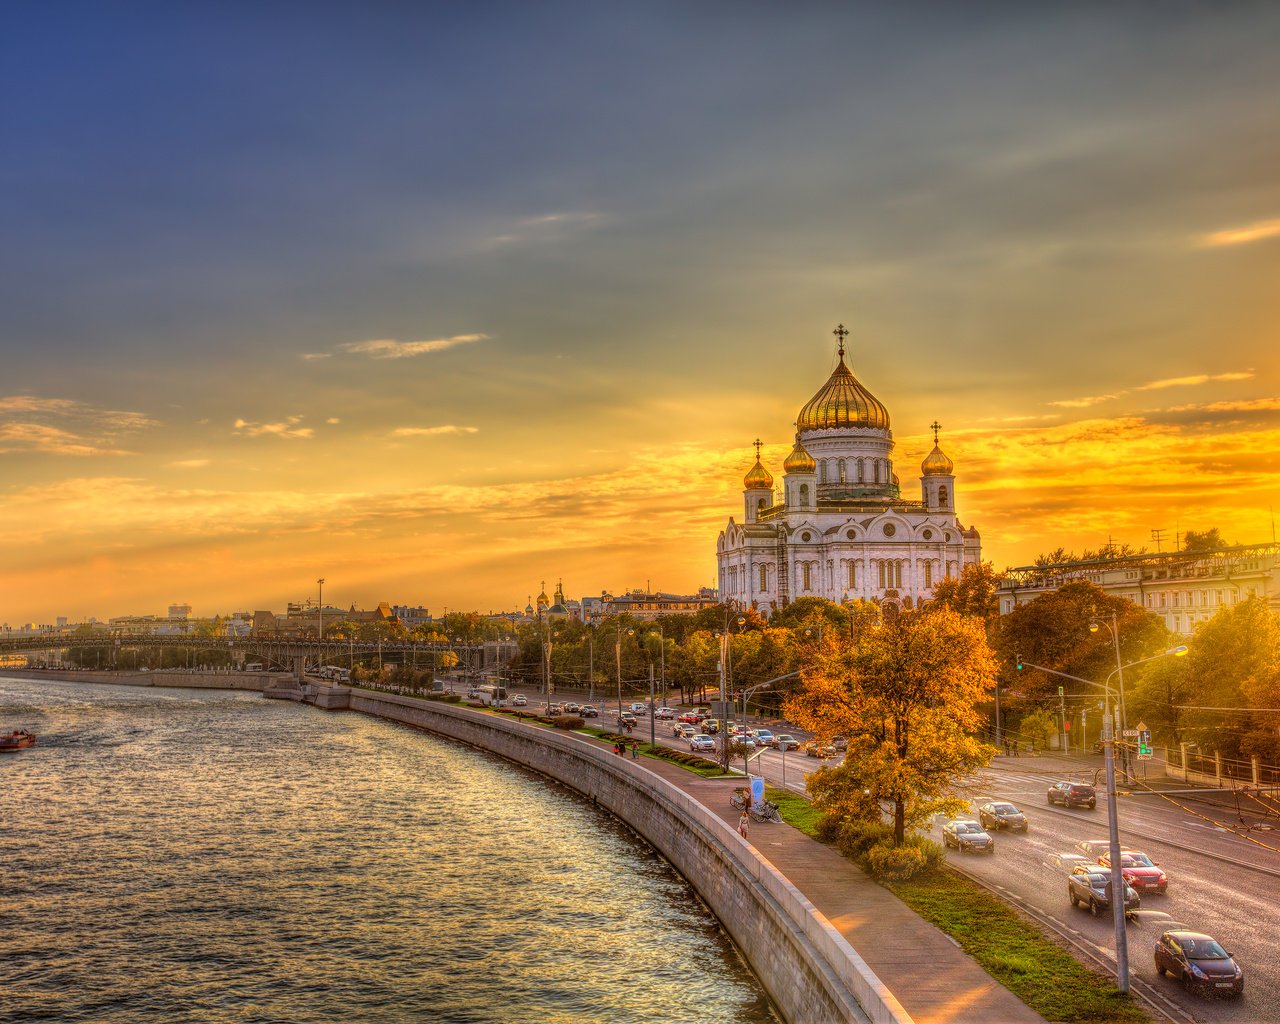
(641, 604)
(179, 611)
(1183, 588)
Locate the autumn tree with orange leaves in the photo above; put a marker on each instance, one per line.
(905, 696)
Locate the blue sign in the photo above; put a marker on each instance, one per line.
(757, 789)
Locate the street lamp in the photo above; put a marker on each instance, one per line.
(1113, 826)
(1114, 629)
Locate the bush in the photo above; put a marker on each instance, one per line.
(895, 863)
(854, 837)
(567, 722)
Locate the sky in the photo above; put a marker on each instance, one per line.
(438, 302)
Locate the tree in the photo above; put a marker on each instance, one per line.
(976, 592)
(1194, 542)
(905, 697)
(1037, 726)
(1164, 689)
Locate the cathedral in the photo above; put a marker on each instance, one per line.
(839, 526)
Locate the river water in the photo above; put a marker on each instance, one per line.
(177, 855)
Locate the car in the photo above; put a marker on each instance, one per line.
(473, 692)
(1001, 814)
(589, 711)
(639, 709)
(1090, 887)
(839, 743)
(519, 700)
(784, 741)
(572, 708)
(815, 748)
(701, 741)
(627, 718)
(1073, 794)
(743, 739)
(710, 725)
(1156, 920)
(691, 717)
(554, 709)
(1199, 962)
(763, 738)
(665, 713)
(967, 837)
(683, 730)
(1139, 870)
(1093, 848)
(1067, 862)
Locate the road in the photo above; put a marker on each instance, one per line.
(1219, 883)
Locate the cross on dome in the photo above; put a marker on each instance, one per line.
(841, 333)
(935, 426)
(758, 445)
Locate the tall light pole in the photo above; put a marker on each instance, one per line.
(320, 630)
(1114, 630)
(1108, 742)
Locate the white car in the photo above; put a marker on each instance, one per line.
(518, 701)
(683, 730)
(665, 713)
(702, 742)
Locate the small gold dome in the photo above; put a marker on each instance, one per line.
(843, 402)
(896, 481)
(758, 479)
(799, 461)
(936, 464)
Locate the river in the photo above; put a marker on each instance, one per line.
(176, 855)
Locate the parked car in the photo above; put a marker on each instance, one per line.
(1090, 887)
(1199, 962)
(1073, 794)
(967, 837)
(519, 700)
(589, 711)
(665, 713)
(702, 742)
(1001, 814)
(1155, 920)
(1139, 870)
(816, 749)
(1067, 862)
(784, 741)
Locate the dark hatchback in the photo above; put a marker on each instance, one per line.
(1199, 963)
(1091, 889)
(999, 814)
(1073, 794)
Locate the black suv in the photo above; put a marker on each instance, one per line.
(1073, 794)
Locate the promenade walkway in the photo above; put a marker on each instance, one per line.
(933, 978)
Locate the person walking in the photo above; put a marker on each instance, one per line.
(635, 751)
(743, 824)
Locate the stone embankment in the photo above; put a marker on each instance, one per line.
(257, 681)
(811, 972)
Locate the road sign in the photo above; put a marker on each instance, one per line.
(1144, 742)
(1131, 732)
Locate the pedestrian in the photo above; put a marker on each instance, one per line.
(743, 824)
(635, 751)
(617, 749)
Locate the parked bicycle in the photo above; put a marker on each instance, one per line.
(760, 810)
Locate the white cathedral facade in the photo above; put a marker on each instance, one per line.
(840, 527)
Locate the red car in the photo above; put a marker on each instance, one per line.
(1139, 871)
(689, 716)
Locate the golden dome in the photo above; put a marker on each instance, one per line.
(758, 479)
(896, 481)
(799, 461)
(936, 464)
(843, 402)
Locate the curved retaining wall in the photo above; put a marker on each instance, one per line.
(192, 680)
(811, 972)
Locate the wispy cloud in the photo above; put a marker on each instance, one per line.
(1084, 403)
(389, 348)
(333, 421)
(312, 356)
(40, 437)
(288, 429)
(1255, 232)
(444, 428)
(190, 463)
(1199, 378)
(1244, 405)
(64, 426)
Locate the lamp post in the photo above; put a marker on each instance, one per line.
(617, 655)
(1113, 827)
(1114, 630)
(591, 663)
(320, 630)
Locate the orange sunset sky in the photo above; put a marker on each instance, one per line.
(439, 305)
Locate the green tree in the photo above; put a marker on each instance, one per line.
(905, 696)
(1163, 690)
(976, 592)
(1194, 542)
(1037, 726)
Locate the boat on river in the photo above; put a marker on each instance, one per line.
(16, 740)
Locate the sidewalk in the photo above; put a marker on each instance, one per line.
(935, 980)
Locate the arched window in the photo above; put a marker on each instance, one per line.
(842, 469)
(822, 471)
(928, 575)
(942, 496)
(808, 579)
(760, 506)
(764, 578)
(804, 494)
(877, 470)
(859, 471)
(853, 575)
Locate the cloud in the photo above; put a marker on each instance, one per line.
(312, 356)
(389, 348)
(289, 429)
(1243, 405)
(445, 428)
(77, 428)
(1084, 403)
(1199, 378)
(333, 421)
(190, 463)
(1255, 232)
(40, 437)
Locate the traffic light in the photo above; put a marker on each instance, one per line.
(1018, 658)
(1059, 691)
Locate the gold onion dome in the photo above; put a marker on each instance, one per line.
(799, 461)
(759, 478)
(936, 464)
(843, 402)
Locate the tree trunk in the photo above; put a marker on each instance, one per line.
(899, 821)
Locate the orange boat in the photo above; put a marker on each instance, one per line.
(16, 740)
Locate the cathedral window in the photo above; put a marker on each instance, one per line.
(890, 529)
(859, 471)
(822, 471)
(808, 579)
(760, 504)
(764, 577)
(804, 494)
(928, 575)
(842, 471)
(942, 496)
(853, 575)
(876, 470)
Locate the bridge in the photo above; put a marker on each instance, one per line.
(280, 652)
